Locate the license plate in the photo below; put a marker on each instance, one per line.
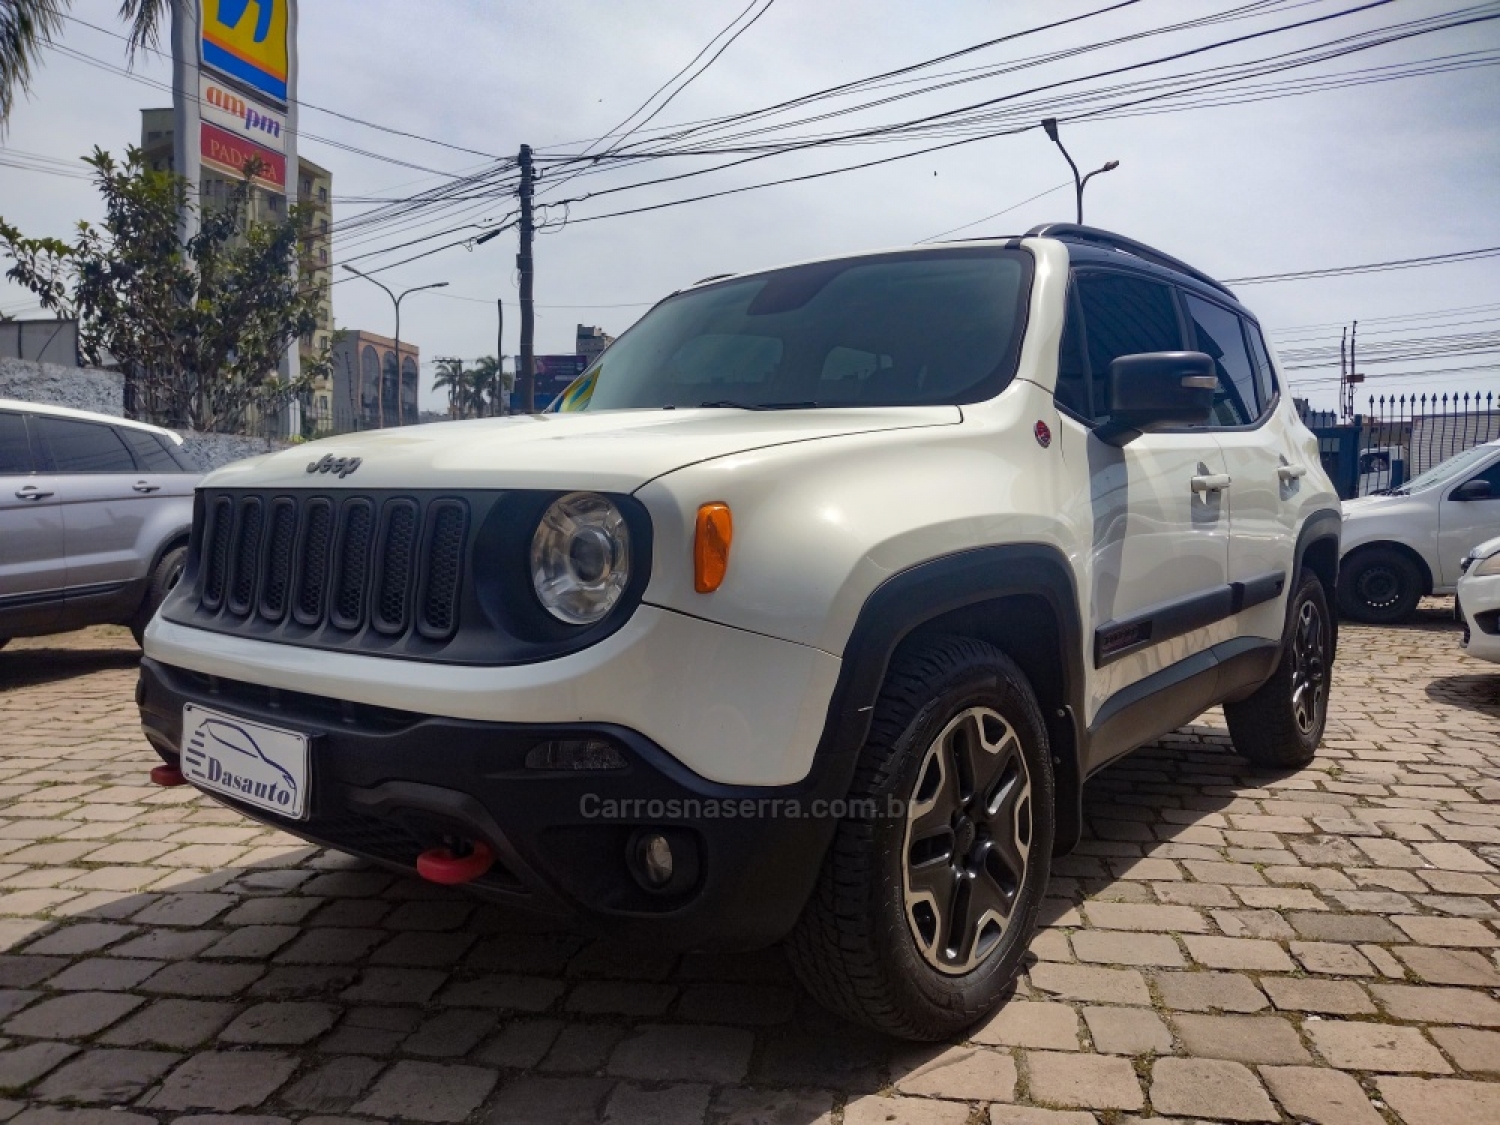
(251, 762)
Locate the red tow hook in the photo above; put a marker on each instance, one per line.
(440, 865)
(167, 775)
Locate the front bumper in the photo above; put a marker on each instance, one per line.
(1478, 607)
(387, 784)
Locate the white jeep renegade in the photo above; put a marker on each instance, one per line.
(805, 613)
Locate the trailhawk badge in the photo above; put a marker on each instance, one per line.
(250, 762)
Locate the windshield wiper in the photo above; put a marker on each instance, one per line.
(730, 404)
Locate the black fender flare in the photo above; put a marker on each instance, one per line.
(924, 593)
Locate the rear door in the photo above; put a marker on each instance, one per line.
(1464, 524)
(33, 565)
(1160, 522)
(163, 476)
(104, 502)
(1264, 498)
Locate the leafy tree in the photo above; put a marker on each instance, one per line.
(27, 27)
(198, 328)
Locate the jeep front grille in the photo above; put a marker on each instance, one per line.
(347, 563)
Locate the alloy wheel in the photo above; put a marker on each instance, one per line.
(968, 838)
(1309, 668)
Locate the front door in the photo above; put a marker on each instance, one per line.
(1156, 515)
(1464, 524)
(33, 565)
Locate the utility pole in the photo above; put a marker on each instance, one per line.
(1344, 375)
(499, 355)
(526, 377)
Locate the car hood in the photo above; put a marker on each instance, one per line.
(606, 451)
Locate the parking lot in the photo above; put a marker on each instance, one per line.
(1225, 945)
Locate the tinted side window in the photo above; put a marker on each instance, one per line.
(1072, 364)
(84, 447)
(149, 454)
(1124, 315)
(1265, 376)
(1219, 334)
(15, 452)
(185, 460)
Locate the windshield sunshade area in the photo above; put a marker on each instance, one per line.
(899, 329)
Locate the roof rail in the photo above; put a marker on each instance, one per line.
(1072, 232)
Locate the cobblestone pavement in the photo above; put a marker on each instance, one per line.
(1226, 945)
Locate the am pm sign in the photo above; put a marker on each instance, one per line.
(239, 114)
(247, 40)
(225, 152)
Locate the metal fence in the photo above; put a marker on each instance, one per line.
(1401, 437)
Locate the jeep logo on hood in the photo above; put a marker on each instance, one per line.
(343, 466)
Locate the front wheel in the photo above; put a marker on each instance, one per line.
(929, 894)
(1281, 725)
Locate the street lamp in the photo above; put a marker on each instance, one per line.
(1050, 124)
(380, 382)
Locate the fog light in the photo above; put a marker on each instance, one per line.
(574, 754)
(654, 858)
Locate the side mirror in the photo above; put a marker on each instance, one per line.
(1473, 490)
(1155, 389)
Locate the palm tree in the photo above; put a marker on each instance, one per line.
(488, 383)
(491, 381)
(459, 384)
(28, 27)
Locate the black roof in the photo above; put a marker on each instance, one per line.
(1103, 245)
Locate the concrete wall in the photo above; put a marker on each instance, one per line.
(103, 392)
(214, 451)
(82, 388)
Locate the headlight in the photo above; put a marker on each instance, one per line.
(1487, 567)
(580, 558)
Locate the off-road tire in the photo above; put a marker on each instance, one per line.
(164, 576)
(1265, 727)
(853, 948)
(1379, 586)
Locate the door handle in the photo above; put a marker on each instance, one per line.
(142, 486)
(1212, 482)
(32, 492)
(1289, 473)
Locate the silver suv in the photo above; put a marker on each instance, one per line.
(95, 514)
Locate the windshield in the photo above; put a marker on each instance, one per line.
(1443, 473)
(938, 326)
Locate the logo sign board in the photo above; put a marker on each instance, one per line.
(223, 151)
(240, 115)
(251, 762)
(554, 374)
(247, 40)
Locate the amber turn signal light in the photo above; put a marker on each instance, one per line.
(711, 547)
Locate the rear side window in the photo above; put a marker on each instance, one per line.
(185, 460)
(15, 451)
(1265, 377)
(1124, 315)
(1219, 334)
(84, 447)
(149, 453)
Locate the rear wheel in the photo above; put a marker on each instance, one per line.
(1281, 725)
(166, 575)
(1379, 586)
(927, 901)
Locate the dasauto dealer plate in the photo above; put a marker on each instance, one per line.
(251, 762)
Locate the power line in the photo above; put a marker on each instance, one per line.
(996, 214)
(1368, 267)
